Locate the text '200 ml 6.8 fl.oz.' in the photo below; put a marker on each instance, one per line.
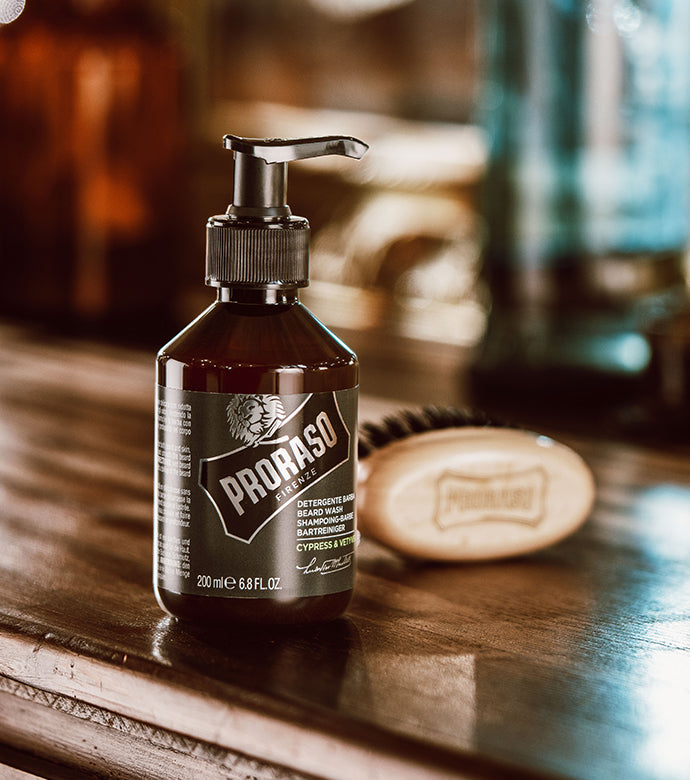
(256, 421)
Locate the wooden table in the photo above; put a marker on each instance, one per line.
(573, 662)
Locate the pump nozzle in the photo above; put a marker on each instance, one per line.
(284, 150)
(260, 188)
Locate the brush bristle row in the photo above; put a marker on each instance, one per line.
(408, 422)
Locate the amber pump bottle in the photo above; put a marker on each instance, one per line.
(256, 421)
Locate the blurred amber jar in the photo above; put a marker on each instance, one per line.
(91, 164)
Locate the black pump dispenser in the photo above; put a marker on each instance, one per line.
(258, 242)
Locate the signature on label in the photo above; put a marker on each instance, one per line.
(329, 566)
(514, 497)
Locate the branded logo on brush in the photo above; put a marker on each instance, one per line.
(514, 497)
(282, 457)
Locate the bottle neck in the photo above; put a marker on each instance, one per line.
(260, 296)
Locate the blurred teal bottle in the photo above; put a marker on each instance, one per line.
(587, 197)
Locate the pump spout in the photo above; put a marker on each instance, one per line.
(284, 150)
(260, 188)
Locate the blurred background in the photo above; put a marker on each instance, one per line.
(522, 213)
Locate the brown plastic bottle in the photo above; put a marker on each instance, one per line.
(257, 529)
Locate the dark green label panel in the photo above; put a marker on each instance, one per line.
(255, 494)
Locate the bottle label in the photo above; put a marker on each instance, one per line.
(255, 494)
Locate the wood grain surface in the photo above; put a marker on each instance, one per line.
(571, 662)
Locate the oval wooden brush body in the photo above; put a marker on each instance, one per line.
(472, 493)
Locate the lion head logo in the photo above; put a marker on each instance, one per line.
(255, 417)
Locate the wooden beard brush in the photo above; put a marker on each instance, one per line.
(449, 485)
